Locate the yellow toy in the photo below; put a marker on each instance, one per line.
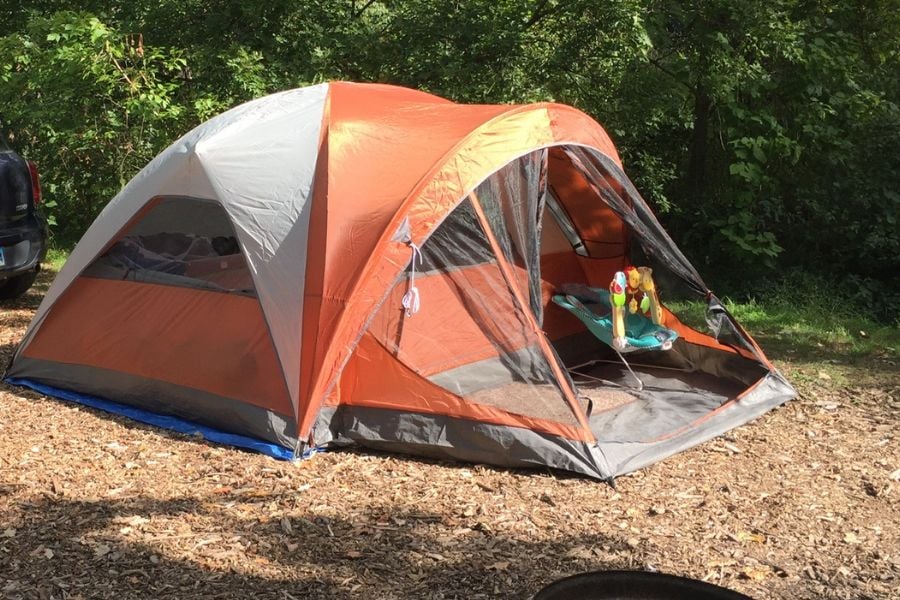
(617, 304)
(650, 302)
(633, 290)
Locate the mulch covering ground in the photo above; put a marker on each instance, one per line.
(802, 503)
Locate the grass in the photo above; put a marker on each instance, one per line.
(821, 337)
(55, 259)
(817, 326)
(811, 326)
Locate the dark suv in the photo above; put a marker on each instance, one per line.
(23, 229)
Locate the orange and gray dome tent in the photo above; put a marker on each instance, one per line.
(373, 265)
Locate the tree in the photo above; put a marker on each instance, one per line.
(91, 105)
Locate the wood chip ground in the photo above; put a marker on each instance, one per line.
(804, 503)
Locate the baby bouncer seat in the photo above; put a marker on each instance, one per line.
(623, 329)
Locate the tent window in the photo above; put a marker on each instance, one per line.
(458, 243)
(186, 242)
(566, 225)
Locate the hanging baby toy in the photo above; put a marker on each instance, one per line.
(617, 301)
(650, 302)
(634, 288)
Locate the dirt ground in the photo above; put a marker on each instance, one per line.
(803, 503)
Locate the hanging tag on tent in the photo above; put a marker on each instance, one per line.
(411, 301)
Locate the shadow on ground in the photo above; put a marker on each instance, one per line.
(32, 298)
(129, 549)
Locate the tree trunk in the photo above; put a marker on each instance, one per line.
(696, 171)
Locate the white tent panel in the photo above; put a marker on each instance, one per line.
(231, 158)
(271, 214)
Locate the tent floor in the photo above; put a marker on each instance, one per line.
(670, 400)
(542, 401)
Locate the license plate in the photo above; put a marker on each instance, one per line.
(2, 258)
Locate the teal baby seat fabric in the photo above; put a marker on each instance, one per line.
(640, 332)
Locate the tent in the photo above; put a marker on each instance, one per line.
(373, 265)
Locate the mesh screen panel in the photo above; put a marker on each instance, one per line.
(471, 335)
(184, 242)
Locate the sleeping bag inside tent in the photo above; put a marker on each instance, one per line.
(372, 265)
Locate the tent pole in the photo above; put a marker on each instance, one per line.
(568, 393)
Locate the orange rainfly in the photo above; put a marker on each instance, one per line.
(364, 264)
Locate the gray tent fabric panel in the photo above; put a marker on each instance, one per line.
(162, 397)
(271, 218)
(271, 214)
(443, 437)
(773, 390)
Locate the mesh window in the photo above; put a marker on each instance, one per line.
(184, 242)
(471, 336)
(513, 201)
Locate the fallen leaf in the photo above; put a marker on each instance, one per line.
(756, 572)
(851, 538)
(286, 526)
(579, 552)
(746, 536)
(134, 520)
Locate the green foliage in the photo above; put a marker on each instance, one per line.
(789, 152)
(803, 315)
(55, 260)
(817, 322)
(765, 134)
(91, 106)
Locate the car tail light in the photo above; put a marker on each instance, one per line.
(35, 183)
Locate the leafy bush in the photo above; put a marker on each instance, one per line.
(90, 105)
